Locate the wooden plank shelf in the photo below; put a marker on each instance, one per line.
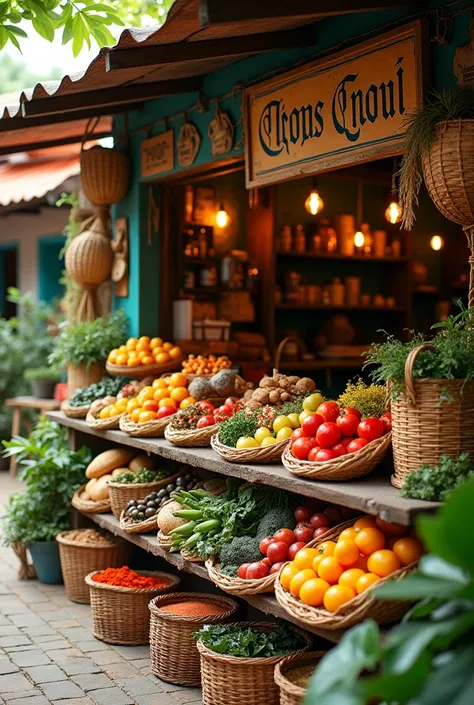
(372, 494)
(343, 258)
(329, 307)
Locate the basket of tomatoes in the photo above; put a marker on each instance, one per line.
(336, 443)
(330, 584)
(194, 426)
(144, 357)
(105, 413)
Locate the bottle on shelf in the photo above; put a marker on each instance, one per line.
(345, 228)
(380, 243)
(337, 292)
(368, 239)
(299, 239)
(284, 239)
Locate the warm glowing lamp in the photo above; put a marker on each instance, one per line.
(436, 243)
(314, 204)
(394, 212)
(359, 239)
(222, 217)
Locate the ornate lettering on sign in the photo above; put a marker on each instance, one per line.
(157, 154)
(187, 144)
(351, 107)
(221, 132)
(464, 60)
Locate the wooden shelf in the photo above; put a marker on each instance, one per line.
(372, 494)
(326, 364)
(343, 258)
(200, 260)
(325, 307)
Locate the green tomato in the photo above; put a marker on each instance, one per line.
(261, 433)
(246, 442)
(284, 433)
(268, 441)
(294, 420)
(281, 422)
(312, 402)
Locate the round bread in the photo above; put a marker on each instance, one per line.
(109, 460)
(142, 461)
(100, 490)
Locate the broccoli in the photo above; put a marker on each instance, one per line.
(242, 549)
(230, 570)
(276, 518)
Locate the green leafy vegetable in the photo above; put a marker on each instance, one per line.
(141, 476)
(108, 386)
(236, 640)
(242, 423)
(436, 483)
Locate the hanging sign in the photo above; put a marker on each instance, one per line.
(187, 144)
(157, 154)
(348, 108)
(464, 60)
(221, 133)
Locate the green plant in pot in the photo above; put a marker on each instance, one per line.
(43, 381)
(83, 348)
(52, 473)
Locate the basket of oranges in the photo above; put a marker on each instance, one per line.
(205, 366)
(105, 413)
(330, 584)
(144, 357)
(148, 414)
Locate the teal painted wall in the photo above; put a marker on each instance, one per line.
(329, 34)
(50, 268)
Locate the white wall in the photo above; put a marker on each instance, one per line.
(25, 229)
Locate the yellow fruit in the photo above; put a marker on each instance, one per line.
(268, 441)
(365, 581)
(160, 383)
(349, 533)
(346, 552)
(144, 340)
(330, 569)
(104, 413)
(132, 405)
(168, 346)
(175, 353)
(281, 422)
(350, 577)
(179, 394)
(246, 442)
(369, 540)
(326, 548)
(156, 343)
(364, 523)
(304, 558)
(162, 358)
(284, 433)
(288, 572)
(167, 401)
(160, 394)
(121, 359)
(294, 420)
(135, 415)
(177, 379)
(187, 402)
(113, 356)
(261, 433)
(300, 578)
(131, 342)
(147, 360)
(133, 361)
(312, 591)
(336, 596)
(383, 563)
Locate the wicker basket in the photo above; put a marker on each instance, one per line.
(238, 586)
(195, 438)
(121, 493)
(423, 428)
(143, 370)
(74, 412)
(346, 467)
(104, 175)
(87, 506)
(94, 421)
(82, 376)
(267, 454)
(79, 559)
(149, 429)
(120, 615)
(233, 680)
(173, 650)
(191, 557)
(164, 541)
(137, 527)
(290, 693)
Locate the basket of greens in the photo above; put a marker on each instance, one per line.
(77, 406)
(133, 485)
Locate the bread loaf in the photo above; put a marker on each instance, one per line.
(108, 461)
(119, 471)
(100, 490)
(142, 461)
(90, 485)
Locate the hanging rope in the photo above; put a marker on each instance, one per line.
(153, 214)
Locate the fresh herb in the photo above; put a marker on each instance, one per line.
(435, 484)
(186, 419)
(42, 373)
(236, 640)
(89, 342)
(291, 407)
(243, 423)
(370, 400)
(107, 387)
(141, 476)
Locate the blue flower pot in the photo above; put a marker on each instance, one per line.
(45, 556)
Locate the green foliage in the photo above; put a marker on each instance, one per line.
(428, 658)
(435, 484)
(279, 517)
(108, 386)
(16, 74)
(454, 104)
(452, 357)
(370, 400)
(242, 549)
(247, 642)
(87, 343)
(52, 474)
(40, 373)
(141, 476)
(242, 423)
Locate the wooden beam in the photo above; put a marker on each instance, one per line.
(33, 146)
(109, 96)
(219, 12)
(184, 52)
(21, 123)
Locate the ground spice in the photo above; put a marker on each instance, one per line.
(90, 536)
(193, 608)
(125, 577)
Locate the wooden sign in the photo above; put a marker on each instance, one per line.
(464, 60)
(119, 272)
(187, 144)
(157, 154)
(221, 133)
(348, 108)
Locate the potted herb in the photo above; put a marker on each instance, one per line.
(83, 348)
(52, 474)
(43, 381)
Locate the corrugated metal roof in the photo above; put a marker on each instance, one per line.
(24, 182)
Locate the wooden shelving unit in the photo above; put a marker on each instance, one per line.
(336, 256)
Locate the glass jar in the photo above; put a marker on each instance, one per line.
(284, 239)
(299, 240)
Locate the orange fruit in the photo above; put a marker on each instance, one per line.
(156, 343)
(327, 548)
(113, 356)
(104, 413)
(166, 402)
(132, 404)
(299, 579)
(287, 573)
(317, 561)
(121, 359)
(146, 393)
(177, 379)
(349, 533)
(346, 552)
(312, 592)
(147, 416)
(175, 353)
(330, 569)
(156, 351)
(390, 529)
(304, 558)
(160, 383)
(336, 596)
(350, 577)
(150, 405)
(361, 563)
(132, 343)
(383, 563)
(407, 550)
(123, 349)
(369, 540)
(168, 346)
(179, 394)
(364, 523)
(142, 353)
(147, 360)
(162, 358)
(144, 340)
(135, 415)
(142, 347)
(113, 411)
(187, 402)
(133, 361)
(365, 581)
(160, 394)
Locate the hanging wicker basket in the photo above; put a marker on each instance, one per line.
(423, 427)
(104, 175)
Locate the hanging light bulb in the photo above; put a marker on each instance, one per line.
(222, 217)
(394, 212)
(314, 203)
(359, 239)
(436, 243)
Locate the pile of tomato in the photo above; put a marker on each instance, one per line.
(333, 572)
(332, 432)
(204, 414)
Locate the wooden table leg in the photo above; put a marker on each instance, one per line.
(15, 432)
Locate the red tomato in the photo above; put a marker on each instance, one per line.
(320, 519)
(205, 421)
(328, 434)
(242, 572)
(303, 513)
(348, 424)
(329, 410)
(276, 567)
(312, 454)
(346, 513)
(277, 551)
(320, 532)
(266, 562)
(206, 406)
(356, 445)
(285, 535)
(231, 401)
(351, 410)
(303, 534)
(166, 411)
(311, 424)
(335, 515)
(370, 429)
(295, 547)
(264, 544)
(345, 441)
(301, 447)
(386, 420)
(340, 448)
(297, 433)
(150, 405)
(225, 409)
(304, 524)
(256, 571)
(325, 454)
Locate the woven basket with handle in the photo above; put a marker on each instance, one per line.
(173, 650)
(233, 680)
(104, 174)
(122, 493)
(192, 438)
(431, 418)
(290, 693)
(263, 454)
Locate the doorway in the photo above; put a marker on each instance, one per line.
(9, 265)
(50, 268)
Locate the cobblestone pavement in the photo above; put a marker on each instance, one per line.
(48, 654)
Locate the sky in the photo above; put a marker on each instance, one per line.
(42, 55)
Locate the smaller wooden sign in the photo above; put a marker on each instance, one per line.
(157, 154)
(187, 144)
(464, 60)
(119, 244)
(221, 133)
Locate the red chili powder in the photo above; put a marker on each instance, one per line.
(125, 577)
(193, 608)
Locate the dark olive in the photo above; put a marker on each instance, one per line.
(188, 477)
(150, 504)
(141, 507)
(150, 512)
(162, 493)
(133, 513)
(163, 501)
(181, 480)
(171, 487)
(132, 503)
(141, 516)
(153, 495)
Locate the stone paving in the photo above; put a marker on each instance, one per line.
(48, 654)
